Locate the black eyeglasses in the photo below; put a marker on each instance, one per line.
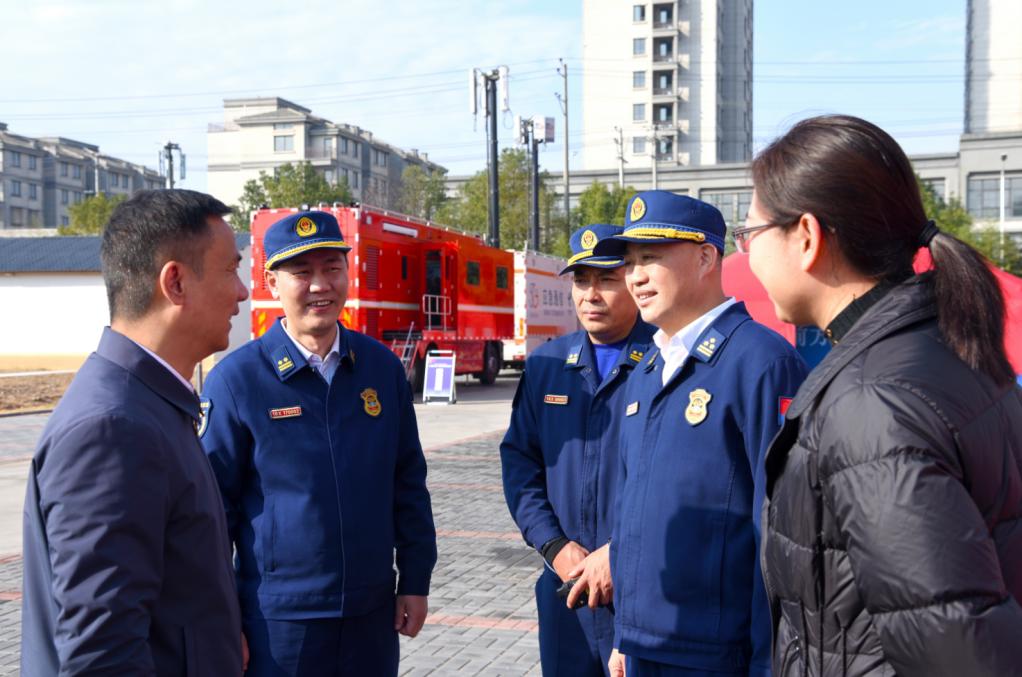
(742, 238)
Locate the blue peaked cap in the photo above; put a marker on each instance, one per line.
(584, 241)
(657, 216)
(298, 233)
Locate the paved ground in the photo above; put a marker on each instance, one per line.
(482, 619)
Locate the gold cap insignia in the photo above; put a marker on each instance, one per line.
(638, 210)
(698, 401)
(372, 402)
(588, 239)
(305, 227)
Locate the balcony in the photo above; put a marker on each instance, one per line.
(664, 91)
(663, 58)
(320, 153)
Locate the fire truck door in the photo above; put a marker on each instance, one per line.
(441, 278)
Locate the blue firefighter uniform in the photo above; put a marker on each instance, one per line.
(561, 469)
(687, 586)
(323, 480)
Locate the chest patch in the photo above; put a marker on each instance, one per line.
(555, 399)
(286, 412)
(371, 402)
(698, 406)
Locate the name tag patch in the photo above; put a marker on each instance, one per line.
(632, 409)
(555, 399)
(285, 412)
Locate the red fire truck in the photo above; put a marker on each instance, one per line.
(413, 285)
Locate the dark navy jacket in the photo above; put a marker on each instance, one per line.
(559, 456)
(321, 483)
(127, 565)
(687, 585)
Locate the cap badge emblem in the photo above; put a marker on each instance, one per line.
(305, 227)
(588, 239)
(638, 210)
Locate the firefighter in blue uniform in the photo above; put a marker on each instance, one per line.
(697, 417)
(559, 456)
(311, 433)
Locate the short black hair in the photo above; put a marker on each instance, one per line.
(146, 231)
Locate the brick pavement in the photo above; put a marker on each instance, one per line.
(483, 616)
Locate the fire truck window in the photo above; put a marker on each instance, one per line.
(501, 277)
(404, 267)
(472, 276)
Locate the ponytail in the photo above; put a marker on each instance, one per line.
(970, 307)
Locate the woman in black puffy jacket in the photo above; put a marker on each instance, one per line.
(893, 521)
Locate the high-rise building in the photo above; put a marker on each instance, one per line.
(993, 67)
(666, 83)
(260, 134)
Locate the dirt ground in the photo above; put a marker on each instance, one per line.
(32, 392)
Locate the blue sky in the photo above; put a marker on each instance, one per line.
(129, 76)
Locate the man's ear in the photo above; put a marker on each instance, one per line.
(811, 241)
(709, 257)
(271, 284)
(171, 282)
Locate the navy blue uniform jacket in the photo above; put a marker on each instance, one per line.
(687, 584)
(127, 562)
(321, 483)
(559, 457)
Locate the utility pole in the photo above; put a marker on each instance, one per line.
(620, 143)
(562, 70)
(531, 132)
(1004, 158)
(168, 154)
(490, 80)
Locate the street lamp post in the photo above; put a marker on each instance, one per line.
(1004, 158)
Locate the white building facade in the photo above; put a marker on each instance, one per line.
(666, 83)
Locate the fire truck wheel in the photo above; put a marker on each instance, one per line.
(491, 365)
(418, 375)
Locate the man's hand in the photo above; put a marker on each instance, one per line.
(410, 613)
(244, 653)
(568, 558)
(616, 664)
(593, 574)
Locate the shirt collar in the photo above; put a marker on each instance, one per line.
(683, 341)
(310, 356)
(169, 368)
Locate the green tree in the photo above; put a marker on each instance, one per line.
(91, 215)
(952, 217)
(289, 186)
(599, 204)
(470, 210)
(422, 193)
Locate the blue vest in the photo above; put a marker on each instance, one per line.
(321, 482)
(687, 585)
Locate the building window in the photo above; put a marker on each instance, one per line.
(35, 218)
(984, 193)
(344, 146)
(63, 169)
(15, 159)
(32, 161)
(664, 83)
(17, 216)
(64, 221)
(328, 176)
(665, 148)
(78, 197)
(663, 16)
(354, 178)
(638, 12)
(472, 273)
(663, 49)
(113, 179)
(33, 193)
(638, 46)
(502, 277)
(937, 186)
(638, 144)
(283, 143)
(354, 149)
(638, 79)
(1013, 195)
(733, 204)
(663, 112)
(283, 125)
(15, 188)
(76, 171)
(638, 112)
(63, 196)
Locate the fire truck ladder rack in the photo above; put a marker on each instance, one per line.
(437, 309)
(407, 350)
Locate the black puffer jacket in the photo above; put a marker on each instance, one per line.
(893, 540)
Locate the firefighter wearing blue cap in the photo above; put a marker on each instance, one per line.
(560, 461)
(696, 419)
(311, 433)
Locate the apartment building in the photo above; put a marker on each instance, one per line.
(260, 134)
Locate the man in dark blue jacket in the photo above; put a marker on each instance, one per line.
(311, 433)
(698, 415)
(560, 457)
(127, 563)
